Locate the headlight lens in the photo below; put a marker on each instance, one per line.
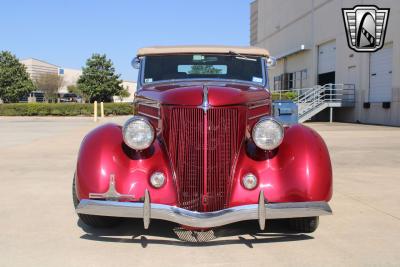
(267, 134)
(138, 133)
(157, 179)
(249, 181)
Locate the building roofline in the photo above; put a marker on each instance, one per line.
(40, 61)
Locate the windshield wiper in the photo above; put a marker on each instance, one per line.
(242, 57)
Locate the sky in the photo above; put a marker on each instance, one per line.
(66, 33)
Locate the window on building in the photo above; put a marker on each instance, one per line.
(61, 71)
(278, 83)
(292, 80)
(304, 74)
(297, 79)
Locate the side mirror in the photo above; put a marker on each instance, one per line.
(271, 62)
(136, 63)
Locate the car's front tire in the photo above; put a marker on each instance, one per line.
(304, 225)
(93, 220)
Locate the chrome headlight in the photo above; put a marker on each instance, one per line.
(267, 133)
(138, 133)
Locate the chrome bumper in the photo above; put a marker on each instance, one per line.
(147, 211)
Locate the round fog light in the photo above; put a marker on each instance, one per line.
(249, 181)
(157, 179)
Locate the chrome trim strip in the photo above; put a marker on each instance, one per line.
(141, 73)
(259, 115)
(203, 219)
(149, 104)
(152, 104)
(259, 105)
(148, 115)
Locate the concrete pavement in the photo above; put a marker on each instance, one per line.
(40, 228)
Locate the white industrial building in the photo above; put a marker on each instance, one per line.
(309, 40)
(36, 67)
(131, 87)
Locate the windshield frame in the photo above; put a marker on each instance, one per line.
(263, 66)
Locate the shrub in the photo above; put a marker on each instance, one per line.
(284, 96)
(117, 109)
(63, 109)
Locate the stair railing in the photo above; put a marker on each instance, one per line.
(311, 99)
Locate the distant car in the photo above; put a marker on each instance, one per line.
(37, 96)
(69, 98)
(203, 149)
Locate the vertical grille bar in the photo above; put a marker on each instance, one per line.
(221, 149)
(203, 147)
(205, 162)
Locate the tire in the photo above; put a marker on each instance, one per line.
(304, 225)
(94, 220)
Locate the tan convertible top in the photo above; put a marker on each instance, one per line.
(212, 49)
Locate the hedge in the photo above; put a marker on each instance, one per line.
(284, 96)
(63, 109)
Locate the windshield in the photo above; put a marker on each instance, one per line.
(204, 66)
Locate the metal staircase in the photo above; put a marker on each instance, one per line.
(311, 101)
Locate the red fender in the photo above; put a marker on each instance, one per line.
(103, 152)
(298, 170)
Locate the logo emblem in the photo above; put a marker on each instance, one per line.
(365, 27)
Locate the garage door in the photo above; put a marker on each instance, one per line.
(326, 63)
(327, 57)
(380, 77)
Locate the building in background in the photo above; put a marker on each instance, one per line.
(70, 77)
(309, 40)
(131, 86)
(36, 67)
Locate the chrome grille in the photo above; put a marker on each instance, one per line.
(202, 143)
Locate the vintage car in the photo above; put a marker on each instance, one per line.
(203, 148)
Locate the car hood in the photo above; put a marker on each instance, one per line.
(191, 94)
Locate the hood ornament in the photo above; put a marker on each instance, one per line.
(205, 105)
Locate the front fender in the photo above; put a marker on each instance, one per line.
(103, 153)
(298, 170)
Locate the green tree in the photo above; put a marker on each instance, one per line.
(49, 83)
(14, 80)
(99, 80)
(124, 93)
(74, 90)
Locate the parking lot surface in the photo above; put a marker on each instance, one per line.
(40, 228)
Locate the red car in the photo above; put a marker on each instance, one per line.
(203, 149)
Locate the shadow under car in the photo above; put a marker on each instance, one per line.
(167, 233)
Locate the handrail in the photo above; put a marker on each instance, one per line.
(309, 99)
